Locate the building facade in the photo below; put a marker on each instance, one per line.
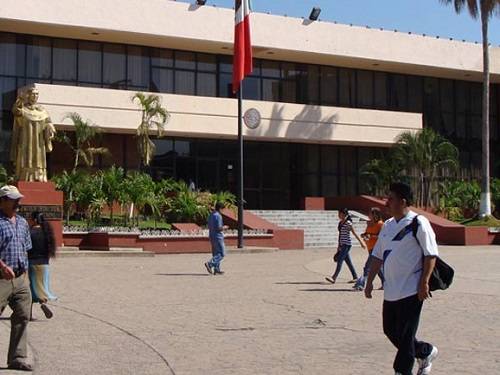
(331, 97)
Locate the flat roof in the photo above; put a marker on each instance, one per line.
(171, 24)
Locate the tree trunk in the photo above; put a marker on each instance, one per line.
(485, 206)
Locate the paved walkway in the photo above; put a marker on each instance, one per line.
(270, 314)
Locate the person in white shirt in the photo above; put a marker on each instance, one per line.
(408, 261)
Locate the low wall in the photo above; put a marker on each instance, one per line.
(447, 232)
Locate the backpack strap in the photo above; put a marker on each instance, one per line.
(414, 228)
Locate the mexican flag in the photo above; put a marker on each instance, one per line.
(242, 64)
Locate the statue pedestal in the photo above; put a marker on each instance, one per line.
(43, 197)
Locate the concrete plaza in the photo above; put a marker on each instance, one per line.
(271, 313)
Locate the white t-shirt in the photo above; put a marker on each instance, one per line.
(403, 256)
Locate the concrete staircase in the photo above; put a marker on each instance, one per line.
(320, 227)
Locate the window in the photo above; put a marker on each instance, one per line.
(271, 90)
(225, 86)
(38, 57)
(446, 93)
(251, 88)
(270, 69)
(380, 83)
(347, 87)
(114, 66)
(163, 58)
(162, 80)
(329, 86)
(365, 89)
(64, 60)
(308, 84)
(415, 94)
(11, 55)
(89, 62)
(185, 60)
(206, 84)
(207, 63)
(184, 82)
(398, 99)
(7, 93)
(138, 67)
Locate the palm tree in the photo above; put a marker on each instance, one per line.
(153, 115)
(485, 9)
(112, 179)
(423, 155)
(380, 173)
(85, 134)
(69, 183)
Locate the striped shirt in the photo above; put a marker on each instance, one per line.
(345, 232)
(15, 242)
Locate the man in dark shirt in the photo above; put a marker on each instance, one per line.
(15, 242)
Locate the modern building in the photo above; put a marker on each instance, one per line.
(331, 96)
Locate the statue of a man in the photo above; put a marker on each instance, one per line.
(31, 138)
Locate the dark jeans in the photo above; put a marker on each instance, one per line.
(401, 320)
(344, 256)
(366, 270)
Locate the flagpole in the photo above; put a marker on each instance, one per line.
(240, 169)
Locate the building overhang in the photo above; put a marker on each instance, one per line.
(206, 117)
(171, 24)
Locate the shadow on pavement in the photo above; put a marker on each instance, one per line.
(182, 274)
(301, 283)
(328, 290)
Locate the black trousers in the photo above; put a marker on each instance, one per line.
(401, 320)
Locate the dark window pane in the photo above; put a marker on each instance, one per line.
(308, 85)
(225, 86)
(477, 98)
(270, 69)
(183, 148)
(114, 63)
(461, 96)
(206, 84)
(7, 93)
(251, 89)
(289, 91)
(162, 58)
(138, 66)
(11, 55)
(415, 94)
(271, 90)
(226, 64)
(64, 64)
(380, 90)
(446, 92)
(431, 95)
(329, 86)
(329, 159)
(397, 92)
(448, 124)
(461, 126)
(184, 82)
(365, 89)
(347, 85)
(289, 71)
(38, 57)
(162, 80)
(185, 60)
(207, 62)
(89, 62)
(476, 126)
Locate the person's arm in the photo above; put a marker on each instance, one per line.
(360, 240)
(427, 240)
(375, 266)
(423, 290)
(7, 272)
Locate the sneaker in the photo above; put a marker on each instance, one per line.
(218, 272)
(48, 313)
(425, 365)
(330, 280)
(358, 288)
(353, 281)
(209, 269)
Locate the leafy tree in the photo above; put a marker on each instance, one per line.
(85, 133)
(154, 115)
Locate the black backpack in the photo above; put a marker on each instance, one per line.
(442, 275)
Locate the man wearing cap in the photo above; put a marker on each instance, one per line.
(15, 242)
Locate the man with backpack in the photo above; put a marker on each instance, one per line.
(407, 250)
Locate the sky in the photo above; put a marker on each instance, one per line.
(428, 17)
